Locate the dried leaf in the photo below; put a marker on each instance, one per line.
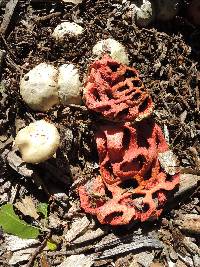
(12, 224)
(27, 207)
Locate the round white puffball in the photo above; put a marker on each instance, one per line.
(69, 84)
(38, 141)
(113, 48)
(45, 86)
(144, 14)
(67, 29)
(38, 87)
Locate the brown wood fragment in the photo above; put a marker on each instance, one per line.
(9, 10)
(189, 223)
(187, 182)
(47, 17)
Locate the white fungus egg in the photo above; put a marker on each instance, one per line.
(144, 14)
(38, 87)
(67, 29)
(69, 84)
(38, 141)
(45, 86)
(113, 48)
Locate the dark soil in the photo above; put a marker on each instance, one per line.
(167, 57)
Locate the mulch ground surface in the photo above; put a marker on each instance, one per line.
(167, 57)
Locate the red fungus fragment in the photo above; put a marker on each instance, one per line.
(115, 91)
(132, 185)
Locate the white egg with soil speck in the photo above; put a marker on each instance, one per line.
(67, 28)
(38, 141)
(38, 87)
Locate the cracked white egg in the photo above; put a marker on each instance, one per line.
(113, 48)
(38, 87)
(67, 28)
(45, 86)
(38, 141)
(69, 84)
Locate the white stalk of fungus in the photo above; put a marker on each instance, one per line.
(69, 84)
(45, 86)
(67, 29)
(38, 87)
(114, 48)
(38, 141)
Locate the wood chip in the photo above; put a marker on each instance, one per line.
(77, 261)
(9, 10)
(77, 228)
(14, 243)
(89, 236)
(189, 223)
(187, 182)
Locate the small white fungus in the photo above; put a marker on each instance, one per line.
(113, 48)
(38, 87)
(45, 86)
(67, 29)
(38, 141)
(144, 14)
(69, 85)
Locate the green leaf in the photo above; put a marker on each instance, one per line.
(51, 245)
(43, 208)
(12, 224)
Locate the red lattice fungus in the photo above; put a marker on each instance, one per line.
(132, 185)
(115, 91)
